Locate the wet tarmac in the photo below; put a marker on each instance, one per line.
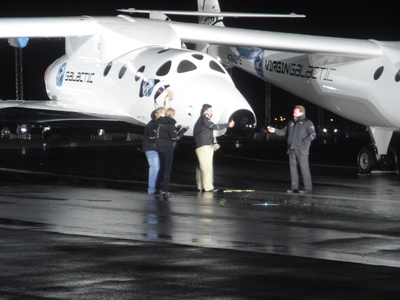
(76, 223)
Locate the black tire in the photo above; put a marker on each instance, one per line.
(389, 162)
(366, 160)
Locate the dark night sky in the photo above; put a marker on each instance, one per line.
(329, 18)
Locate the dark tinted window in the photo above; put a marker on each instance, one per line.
(107, 69)
(164, 69)
(216, 67)
(162, 51)
(397, 77)
(186, 66)
(198, 56)
(122, 71)
(378, 73)
(139, 73)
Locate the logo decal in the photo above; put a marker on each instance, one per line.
(60, 74)
(254, 53)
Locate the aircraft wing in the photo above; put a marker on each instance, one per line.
(46, 27)
(211, 14)
(47, 113)
(236, 37)
(196, 33)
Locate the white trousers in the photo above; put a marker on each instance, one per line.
(204, 170)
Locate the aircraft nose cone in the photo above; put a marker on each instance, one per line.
(245, 123)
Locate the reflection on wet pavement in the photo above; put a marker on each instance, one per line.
(347, 218)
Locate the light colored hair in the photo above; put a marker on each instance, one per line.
(301, 108)
(170, 112)
(159, 112)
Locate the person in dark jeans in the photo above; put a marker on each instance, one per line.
(167, 136)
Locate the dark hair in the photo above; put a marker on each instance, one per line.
(204, 108)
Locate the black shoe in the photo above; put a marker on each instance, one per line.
(292, 191)
(305, 192)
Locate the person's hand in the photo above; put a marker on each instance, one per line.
(271, 129)
(231, 124)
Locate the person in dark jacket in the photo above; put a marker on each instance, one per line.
(167, 136)
(300, 133)
(149, 148)
(204, 137)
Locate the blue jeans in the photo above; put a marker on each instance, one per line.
(154, 167)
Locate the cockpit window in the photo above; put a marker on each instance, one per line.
(139, 73)
(164, 50)
(122, 71)
(397, 77)
(186, 66)
(164, 69)
(198, 56)
(378, 73)
(216, 67)
(107, 69)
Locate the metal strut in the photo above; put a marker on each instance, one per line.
(19, 89)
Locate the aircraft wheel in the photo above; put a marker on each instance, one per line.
(365, 160)
(389, 163)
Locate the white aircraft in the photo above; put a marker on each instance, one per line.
(121, 68)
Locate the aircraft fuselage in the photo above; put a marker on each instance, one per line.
(362, 90)
(134, 83)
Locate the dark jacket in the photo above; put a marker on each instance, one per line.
(167, 134)
(203, 130)
(300, 133)
(149, 136)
